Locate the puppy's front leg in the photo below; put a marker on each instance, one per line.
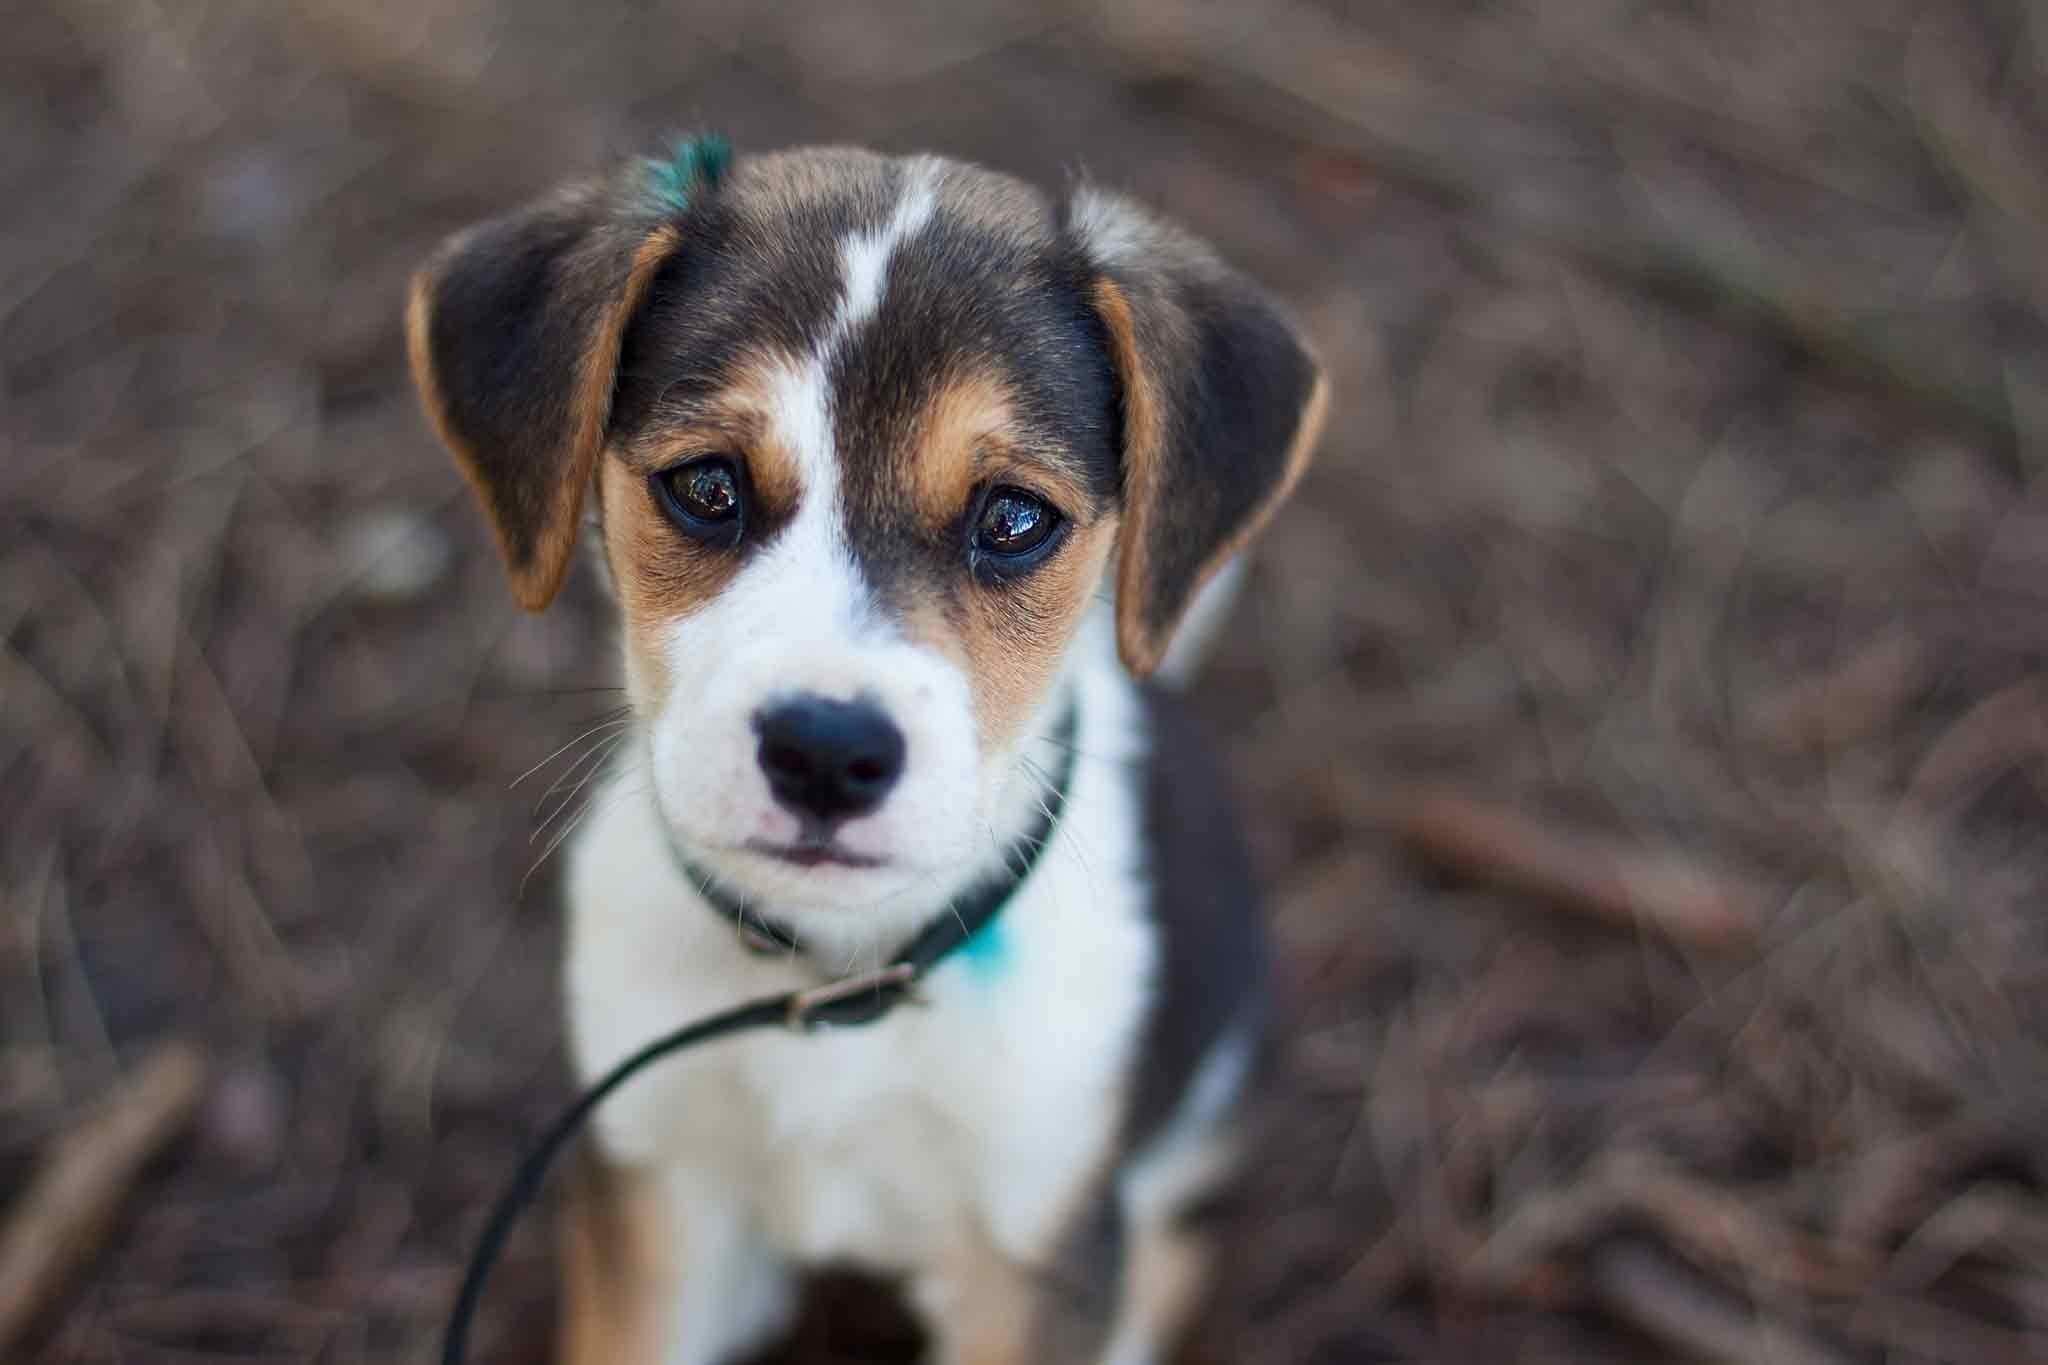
(618, 1258)
(659, 1269)
(979, 1306)
(1167, 1268)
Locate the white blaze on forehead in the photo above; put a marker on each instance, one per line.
(802, 392)
(801, 400)
(809, 565)
(807, 578)
(867, 253)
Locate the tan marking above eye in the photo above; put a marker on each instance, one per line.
(959, 418)
(737, 422)
(967, 437)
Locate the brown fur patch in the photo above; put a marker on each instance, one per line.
(966, 437)
(963, 415)
(1166, 1274)
(419, 355)
(1006, 637)
(619, 1265)
(1144, 460)
(658, 573)
(1009, 637)
(989, 1306)
(738, 420)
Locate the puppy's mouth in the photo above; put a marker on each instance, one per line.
(811, 853)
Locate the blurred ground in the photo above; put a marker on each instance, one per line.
(1684, 489)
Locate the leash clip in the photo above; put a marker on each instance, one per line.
(853, 1001)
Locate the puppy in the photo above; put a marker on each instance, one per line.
(905, 474)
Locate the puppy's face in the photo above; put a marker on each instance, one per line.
(860, 486)
(864, 435)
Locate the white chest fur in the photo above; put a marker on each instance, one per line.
(995, 1101)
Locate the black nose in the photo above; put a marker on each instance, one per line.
(829, 759)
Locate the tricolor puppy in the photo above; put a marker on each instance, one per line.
(904, 473)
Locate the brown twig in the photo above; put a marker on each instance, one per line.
(1860, 696)
(1632, 1189)
(1893, 1185)
(1617, 884)
(1633, 1276)
(2007, 727)
(1660, 1295)
(56, 1226)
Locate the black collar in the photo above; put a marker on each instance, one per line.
(962, 918)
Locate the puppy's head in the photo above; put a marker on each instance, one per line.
(864, 436)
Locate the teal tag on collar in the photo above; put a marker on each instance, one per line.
(986, 951)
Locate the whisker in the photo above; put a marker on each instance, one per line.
(570, 828)
(612, 718)
(1113, 760)
(700, 882)
(1061, 829)
(607, 748)
(1045, 784)
(1044, 781)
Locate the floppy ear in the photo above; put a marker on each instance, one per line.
(513, 329)
(1222, 402)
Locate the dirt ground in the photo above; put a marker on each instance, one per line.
(1683, 498)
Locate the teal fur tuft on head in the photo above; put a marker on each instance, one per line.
(696, 162)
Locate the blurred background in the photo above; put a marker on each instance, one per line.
(1639, 712)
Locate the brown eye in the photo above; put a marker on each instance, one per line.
(1014, 530)
(708, 490)
(704, 498)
